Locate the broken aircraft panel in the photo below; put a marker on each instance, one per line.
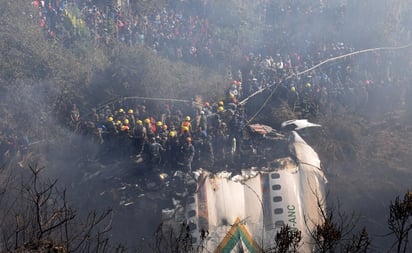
(245, 211)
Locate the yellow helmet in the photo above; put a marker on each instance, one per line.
(125, 121)
(110, 119)
(172, 133)
(293, 89)
(159, 123)
(308, 85)
(220, 103)
(187, 118)
(220, 109)
(118, 122)
(130, 111)
(147, 121)
(121, 110)
(139, 122)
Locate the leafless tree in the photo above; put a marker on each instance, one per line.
(38, 218)
(336, 231)
(400, 222)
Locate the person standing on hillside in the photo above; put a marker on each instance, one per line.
(139, 136)
(172, 150)
(155, 156)
(188, 152)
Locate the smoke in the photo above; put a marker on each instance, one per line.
(99, 178)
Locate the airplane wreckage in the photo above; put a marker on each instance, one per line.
(244, 212)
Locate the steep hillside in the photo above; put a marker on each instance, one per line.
(364, 144)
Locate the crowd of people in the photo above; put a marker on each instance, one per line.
(175, 34)
(308, 91)
(185, 34)
(167, 137)
(204, 134)
(179, 30)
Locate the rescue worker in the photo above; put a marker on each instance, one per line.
(118, 125)
(220, 109)
(293, 97)
(124, 139)
(184, 134)
(159, 127)
(155, 156)
(186, 124)
(131, 118)
(220, 106)
(110, 126)
(120, 114)
(172, 149)
(110, 132)
(139, 136)
(125, 127)
(306, 100)
(188, 153)
(232, 99)
(149, 129)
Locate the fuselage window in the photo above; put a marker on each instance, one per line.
(277, 199)
(276, 187)
(278, 210)
(275, 175)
